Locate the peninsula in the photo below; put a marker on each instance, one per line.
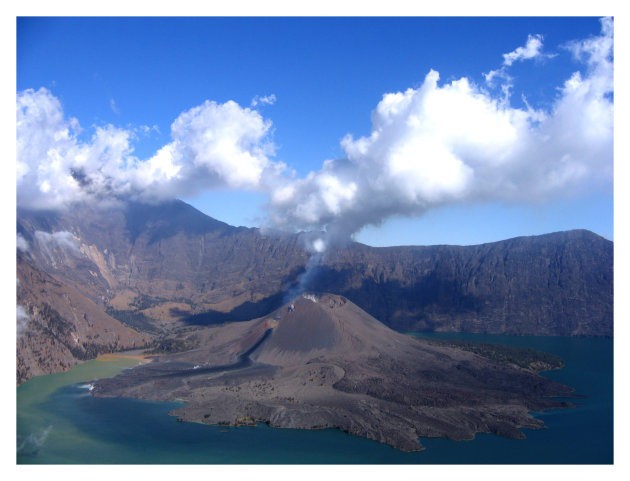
(322, 362)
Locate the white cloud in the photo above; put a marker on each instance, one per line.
(441, 144)
(46, 144)
(112, 105)
(22, 319)
(227, 141)
(596, 51)
(62, 239)
(214, 146)
(531, 50)
(21, 243)
(429, 146)
(264, 100)
(490, 76)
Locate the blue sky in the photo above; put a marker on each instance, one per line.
(303, 85)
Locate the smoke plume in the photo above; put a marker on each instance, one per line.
(439, 144)
(305, 278)
(454, 143)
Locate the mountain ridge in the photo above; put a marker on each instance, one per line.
(493, 287)
(171, 267)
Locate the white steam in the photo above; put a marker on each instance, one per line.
(61, 239)
(438, 144)
(22, 319)
(455, 143)
(21, 243)
(305, 278)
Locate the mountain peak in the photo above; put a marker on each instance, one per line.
(307, 326)
(323, 362)
(168, 218)
(160, 268)
(327, 325)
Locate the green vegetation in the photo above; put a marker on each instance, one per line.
(142, 301)
(245, 421)
(59, 330)
(523, 357)
(58, 327)
(133, 319)
(172, 345)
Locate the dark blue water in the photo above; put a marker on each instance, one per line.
(68, 425)
(583, 435)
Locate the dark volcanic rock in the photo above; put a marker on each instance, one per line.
(329, 364)
(554, 284)
(169, 262)
(162, 268)
(172, 265)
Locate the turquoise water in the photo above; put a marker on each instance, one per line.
(58, 422)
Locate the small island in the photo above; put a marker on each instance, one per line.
(322, 362)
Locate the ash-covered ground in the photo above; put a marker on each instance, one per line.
(322, 362)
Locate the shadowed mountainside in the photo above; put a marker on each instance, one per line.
(60, 325)
(160, 269)
(553, 284)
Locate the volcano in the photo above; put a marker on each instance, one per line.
(129, 274)
(320, 361)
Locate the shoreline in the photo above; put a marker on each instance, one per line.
(136, 354)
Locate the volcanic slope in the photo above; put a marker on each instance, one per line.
(60, 326)
(162, 267)
(322, 362)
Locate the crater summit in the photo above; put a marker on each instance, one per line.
(322, 362)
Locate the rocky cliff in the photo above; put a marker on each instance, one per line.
(164, 262)
(58, 325)
(553, 284)
(159, 269)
